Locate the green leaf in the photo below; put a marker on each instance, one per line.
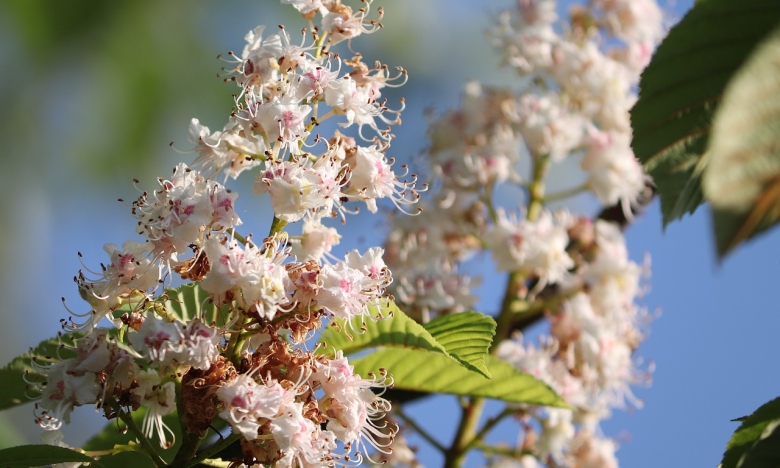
(112, 435)
(765, 453)
(398, 330)
(681, 89)
(742, 177)
(419, 370)
(750, 432)
(127, 460)
(13, 388)
(26, 456)
(466, 336)
(190, 300)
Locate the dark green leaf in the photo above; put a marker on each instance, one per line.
(742, 177)
(398, 330)
(115, 433)
(127, 460)
(681, 89)
(415, 369)
(765, 453)
(26, 456)
(749, 432)
(13, 388)
(466, 336)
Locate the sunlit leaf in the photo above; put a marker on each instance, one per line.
(419, 370)
(26, 456)
(682, 87)
(190, 300)
(742, 177)
(398, 330)
(467, 336)
(14, 390)
(752, 429)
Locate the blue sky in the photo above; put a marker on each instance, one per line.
(713, 343)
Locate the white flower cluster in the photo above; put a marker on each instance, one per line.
(578, 83)
(580, 89)
(251, 368)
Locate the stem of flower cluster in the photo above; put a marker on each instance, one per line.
(213, 450)
(142, 440)
(191, 442)
(467, 436)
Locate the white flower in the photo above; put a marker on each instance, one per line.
(355, 103)
(62, 392)
(315, 242)
(225, 151)
(533, 247)
(295, 189)
(614, 174)
(373, 178)
(129, 276)
(548, 127)
(93, 354)
(253, 276)
(55, 438)
(305, 6)
(248, 405)
(557, 433)
(183, 209)
(342, 291)
(283, 121)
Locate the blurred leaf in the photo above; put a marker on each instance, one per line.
(190, 301)
(13, 388)
(10, 435)
(742, 177)
(681, 89)
(26, 456)
(414, 369)
(46, 27)
(467, 336)
(749, 432)
(127, 460)
(398, 330)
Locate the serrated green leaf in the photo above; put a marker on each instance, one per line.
(398, 330)
(26, 456)
(742, 177)
(681, 89)
(190, 300)
(466, 336)
(112, 435)
(13, 388)
(414, 369)
(749, 432)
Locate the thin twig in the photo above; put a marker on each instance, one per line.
(505, 451)
(489, 425)
(399, 412)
